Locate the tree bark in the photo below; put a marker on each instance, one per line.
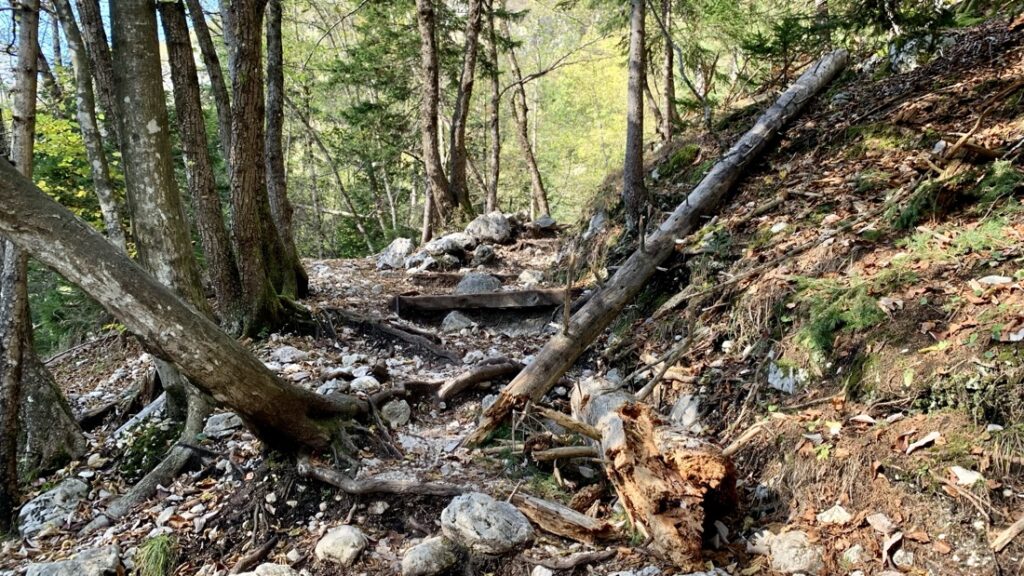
(634, 192)
(671, 484)
(668, 74)
(284, 416)
(55, 44)
(95, 36)
(457, 140)
(221, 267)
(86, 105)
(520, 112)
(444, 202)
(253, 234)
(52, 86)
(491, 200)
(211, 61)
(296, 281)
(559, 354)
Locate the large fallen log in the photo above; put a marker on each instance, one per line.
(670, 483)
(562, 351)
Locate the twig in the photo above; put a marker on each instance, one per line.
(568, 422)
(1006, 536)
(253, 558)
(565, 453)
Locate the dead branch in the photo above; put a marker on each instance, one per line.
(561, 520)
(387, 329)
(374, 485)
(482, 301)
(565, 453)
(253, 558)
(572, 561)
(479, 374)
(568, 422)
(1006, 536)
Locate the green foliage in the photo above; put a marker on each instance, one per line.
(833, 306)
(62, 315)
(148, 449)
(1001, 180)
(157, 556)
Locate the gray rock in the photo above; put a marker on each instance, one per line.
(903, 558)
(545, 222)
(447, 262)
(364, 384)
(542, 571)
(531, 277)
(221, 425)
(456, 321)
(476, 283)
(793, 553)
(835, 515)
(786, 378)
(396, 413)
(333, 386)
(491, 227)
(454, 243)
(417, 260)
(393, 257)
(483, 255)
(854, 555)
(341, 545)
(686, 412)
(104, 561)
(288, 355)
(430, 557)
(484, 524)
(271, 570)
(51, 508)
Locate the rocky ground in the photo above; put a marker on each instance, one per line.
(848, 330)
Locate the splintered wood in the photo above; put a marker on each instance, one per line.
(670, 483)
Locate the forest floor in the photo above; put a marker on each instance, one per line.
(856, 314)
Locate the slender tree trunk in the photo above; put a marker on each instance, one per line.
(443, 199)
(296, 281)
(659, 119)
(284, 416)
(520, 112)
(252, 224)
(86, 104)
(426, 229)
(52, 85)
(211, 61)
(55, 43)
(457, 140)
(221, 267)
(229, 27)
(491, 201)
(40, 436)
(668, 74)
(95, 36)
(634, 193)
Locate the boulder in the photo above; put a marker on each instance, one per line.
(454, 243)
(393, 257)
(271, 570)
(484, 524)
(104, 561)
(447, 262)
(545, 222)
(341, 545)
(456, 321)
(396, 413)
(490, 227)
(51, 508)
(483, 255)
(430, 557)
(475, 283)
(221, 425)
(793, 553)
(417, 260)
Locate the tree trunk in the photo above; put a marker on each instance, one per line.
(252, 223)
(86, 104)
(634, 192)
(668, 73)
(670, 483)
(95, 36)
(219, 87)
(55, 45)
(26, 439)
(491, 201)
(221, 267)
(520, 112)
(457, 155)
(296, 281)
(659, 119)
(559, 354)
(445, 203)
(284, 416)
(52, 86)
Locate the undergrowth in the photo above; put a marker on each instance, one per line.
(157, 556)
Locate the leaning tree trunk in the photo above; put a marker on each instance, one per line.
(559, 354)
(284, 416)
(43, 437)
(457, 156)
(94, 35)
(670, 484)
(634, 192)
(86, 104)
(218, 86)
(444, 202)
(521, 112)
(252, 226)
(491, 201)
(296, 281)
(221, 268)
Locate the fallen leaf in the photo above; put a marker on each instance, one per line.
(926, 441)
(941, 547)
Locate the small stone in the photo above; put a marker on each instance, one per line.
(995, 280)
(51, 508)
(165, 515)
(377, 508)
(881, 523)
(364, 384)
(541, 571)
(341, 545)
(396, 413)
(531, 277)
(793, 553)
(854, 555)
(293, 555)
(779, 227)
(222, 425)
(288, 355)
(270, 498)
(456, 321)
(430, 557)
(903, 558)
(333, 386)
(835, 515)
(686, 412)
(473, 357)
(96, 461)
(483, 255)
(484, 524)
(491, 227)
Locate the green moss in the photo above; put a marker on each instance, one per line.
(680, 160)
(157, 556)
(147, 450)
(833, 306)
(871, 180)
(1001, 180)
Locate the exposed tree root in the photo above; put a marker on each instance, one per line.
(375, 485)
(477, 375)
(384, 328)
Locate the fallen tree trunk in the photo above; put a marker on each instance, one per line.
(561, 352)
(282, 415)
(670, 483)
